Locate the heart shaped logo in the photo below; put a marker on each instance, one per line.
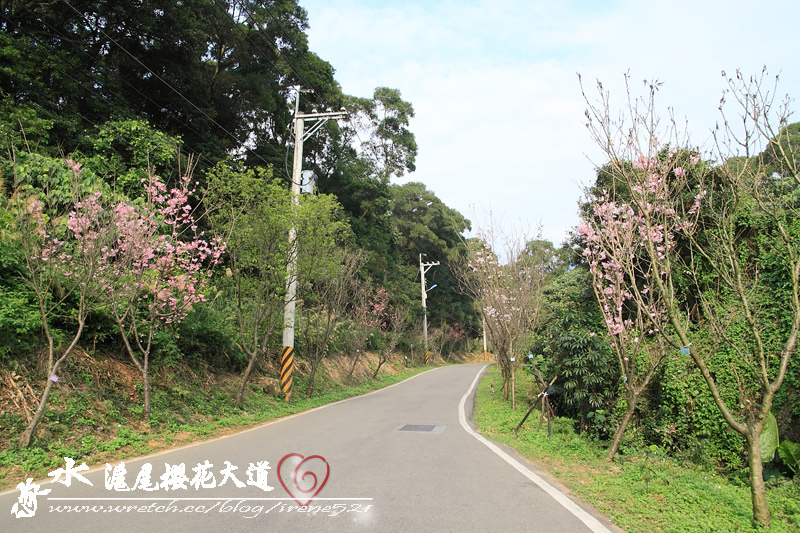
(308, 482)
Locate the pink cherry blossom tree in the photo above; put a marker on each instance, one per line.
(627, 243)
(392, 332)
(372, 315)
(156, 268)
(63, 260)
(508, 296)
(146, 261)
(638, 266)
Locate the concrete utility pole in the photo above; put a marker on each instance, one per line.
(423, 268)
(287, 352)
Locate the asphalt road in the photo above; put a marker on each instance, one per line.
(405, 458)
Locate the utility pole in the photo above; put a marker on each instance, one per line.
(423, 268)
(287, 352)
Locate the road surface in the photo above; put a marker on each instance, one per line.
(405, 458)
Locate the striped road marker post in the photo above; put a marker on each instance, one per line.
(287, 367)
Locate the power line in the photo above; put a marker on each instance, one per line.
(167, 84)
(294, 69)
(236, 25)
(297, 72)
(301, 78)
(255, 45)
(276, 69)
(187, 127)
(83, 84)
(162, 80)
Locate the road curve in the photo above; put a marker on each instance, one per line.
(405, 458)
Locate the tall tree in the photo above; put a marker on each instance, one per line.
(423, 224)
(217, 74)
(374, 147)
(381, 125)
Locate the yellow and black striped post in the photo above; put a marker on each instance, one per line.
(427, 357)
(287, 367)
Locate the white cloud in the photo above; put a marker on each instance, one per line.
(499, 114)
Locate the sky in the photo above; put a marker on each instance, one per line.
(499, 115)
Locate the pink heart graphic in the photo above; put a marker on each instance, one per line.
(305, 474)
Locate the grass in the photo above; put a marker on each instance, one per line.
(89, 420)
(643, 490)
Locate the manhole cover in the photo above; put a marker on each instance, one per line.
(422, 428)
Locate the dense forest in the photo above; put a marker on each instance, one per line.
(148, 215)
(183, 113)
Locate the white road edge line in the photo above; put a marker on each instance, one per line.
(590, 521)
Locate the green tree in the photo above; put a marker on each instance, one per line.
(372, 148)
(126, 153)
(572, 337)
(381, 128)
(254, 213)
(423, 224)
(216, 74)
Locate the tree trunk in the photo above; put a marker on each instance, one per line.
(381, 360)
(505, 371)
(631, 397)
(146, 387)
(353, 367)
(310, 389)
(251, 366)
(758, 492)
(27, 435)
(513, 390)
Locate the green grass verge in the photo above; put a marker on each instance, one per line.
(643, 490)
(87, 428)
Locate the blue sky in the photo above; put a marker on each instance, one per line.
(499, 112)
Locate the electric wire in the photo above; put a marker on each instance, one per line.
(276, 70)
(237, 25)
(167, 84)
(314, 70)
(238, 142)
(315, 94)
(300, 76)
(291, 65)
(84, 84)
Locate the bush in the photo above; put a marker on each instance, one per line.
(207, 335)
(685, 421)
